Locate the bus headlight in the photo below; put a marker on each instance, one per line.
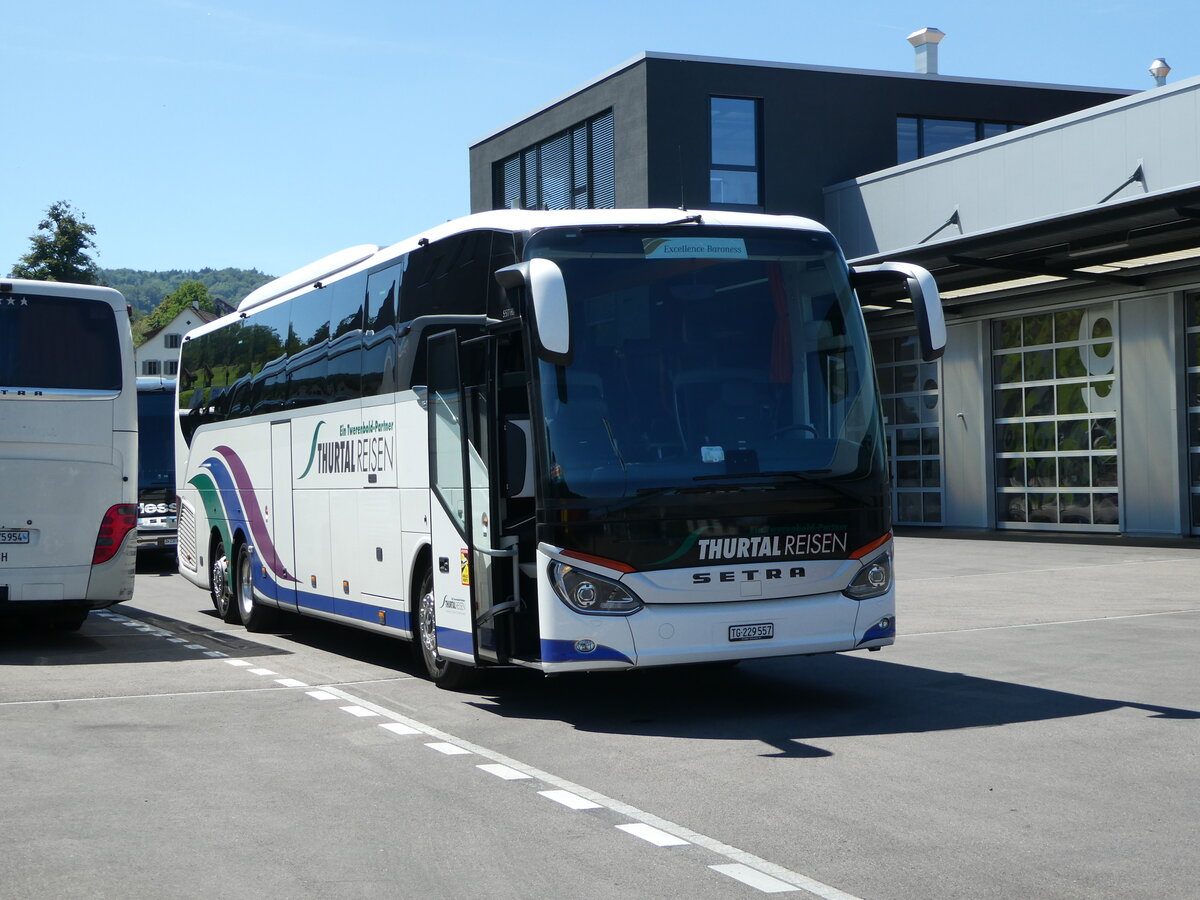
(873, 580)
(592, 594)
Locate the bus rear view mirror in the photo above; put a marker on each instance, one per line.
(921, 289)
(547, 305)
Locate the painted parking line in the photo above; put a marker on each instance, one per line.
(655, 836)
(290, 682)
(569, 799)
(393, 727)
(359, 711)
(506, 772)
(323, 695)
(754, 878)
(448, 748)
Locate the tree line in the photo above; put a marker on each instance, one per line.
(60, 250)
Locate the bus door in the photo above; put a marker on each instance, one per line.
(279, 518)
(472, 576)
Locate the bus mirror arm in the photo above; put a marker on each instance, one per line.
(547, 307)
(926, 303)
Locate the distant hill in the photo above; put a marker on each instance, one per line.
(145, 290)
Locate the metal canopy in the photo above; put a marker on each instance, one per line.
(1126, 230)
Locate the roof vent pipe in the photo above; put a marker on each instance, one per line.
(1160, 70)
(925, 41)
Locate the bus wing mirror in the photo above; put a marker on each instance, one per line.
(926, 303)
(547, 292)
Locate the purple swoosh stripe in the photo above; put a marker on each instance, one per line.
(258, 526)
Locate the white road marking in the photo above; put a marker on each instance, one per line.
(448, 748)
(238, 662)
(262, 672)
(215, 654)
(654, 835)
(754, 878)
(397, 727)
(290, 682)
(359, 711)
(195, 647)
(567, 798)
(323, 695)
(184, 641)
(740, 857)
(506, 772)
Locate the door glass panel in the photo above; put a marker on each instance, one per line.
(1056, 419)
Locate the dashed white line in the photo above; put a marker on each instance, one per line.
(508, 773)
(754, 878)
(238, 662)
(448, 748)
(290, 682)
(393, 727)
(323, 695)
(569, 799)
(655, 836)
(262, 672)
(359, 711)
(194, 647)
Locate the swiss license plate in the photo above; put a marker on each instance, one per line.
(14, 537)
(759, 632)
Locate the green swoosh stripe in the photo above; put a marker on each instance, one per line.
(312, 451)
(210, 496)
(684, 548)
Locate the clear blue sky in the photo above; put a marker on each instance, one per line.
(267, 133)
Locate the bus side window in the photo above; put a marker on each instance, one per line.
(308, 348)
(346, 339)
(379, 335)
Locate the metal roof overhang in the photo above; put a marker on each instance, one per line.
(1063, 246)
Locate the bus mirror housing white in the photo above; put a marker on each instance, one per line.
(547, 293)
(926, 303)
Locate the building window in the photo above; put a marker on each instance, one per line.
(150, 367)
(574, 169)
(734, 174)
(1192, 313)
(1056, 420)
(172, 367)
(172, 341)
(911, 406)
(918, 136)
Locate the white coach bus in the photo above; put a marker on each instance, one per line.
(576, 440)
(68, 451)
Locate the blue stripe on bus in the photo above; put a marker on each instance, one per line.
(564, 651)
(455, 640)
(874, 633)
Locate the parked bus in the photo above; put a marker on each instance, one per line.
(68, 451)
(570, 440)
(156, 463)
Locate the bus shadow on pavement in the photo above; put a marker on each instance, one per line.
(785, 704)
(120, 635)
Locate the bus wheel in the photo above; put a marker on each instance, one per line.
(218, 589)
(442, 672)
(254, 616)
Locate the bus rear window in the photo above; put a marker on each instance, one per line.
(58, 343)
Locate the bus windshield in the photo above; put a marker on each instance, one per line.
(703, 357)
(156, 441)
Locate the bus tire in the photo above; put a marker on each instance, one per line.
(218, 583)
(442, 672)
(254, 616)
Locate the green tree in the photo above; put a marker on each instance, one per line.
(59, 250)
(189, 293)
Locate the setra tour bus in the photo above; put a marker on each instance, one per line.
(569, 440)
(156, 464)
(68, 451)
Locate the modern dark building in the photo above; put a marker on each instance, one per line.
(1061, 223)
(669, 131)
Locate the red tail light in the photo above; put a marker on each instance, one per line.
(117, 522)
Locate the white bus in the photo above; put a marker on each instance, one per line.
(570, 440)
(68, 451)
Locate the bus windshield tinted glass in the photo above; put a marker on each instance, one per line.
(58, 343)
(705, 356)
(156, 439)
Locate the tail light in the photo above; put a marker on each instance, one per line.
(117, 522)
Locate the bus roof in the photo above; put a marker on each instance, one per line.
(63, 289)
(354, 259)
